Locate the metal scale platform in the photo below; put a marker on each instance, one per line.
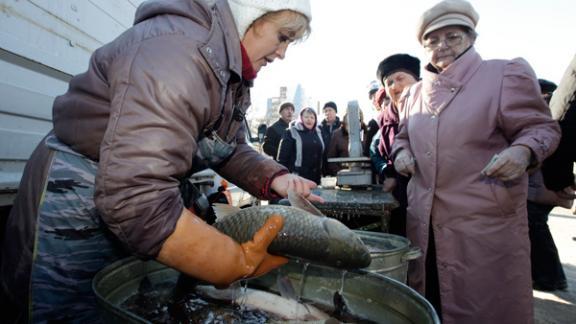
(351, 197)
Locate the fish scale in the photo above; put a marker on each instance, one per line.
(317, 239)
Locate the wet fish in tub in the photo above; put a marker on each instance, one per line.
(307, 234)
(287, 309)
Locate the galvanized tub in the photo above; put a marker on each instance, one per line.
(372, 296)
(390, 254)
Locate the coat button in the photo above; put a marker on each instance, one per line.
(433, 116)
(209, 50)
(452, 89)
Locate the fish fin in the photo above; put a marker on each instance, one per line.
(224, 210)
(298, 201)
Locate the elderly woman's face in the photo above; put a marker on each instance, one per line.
(443, 46)
(266, 42)
(395, 84)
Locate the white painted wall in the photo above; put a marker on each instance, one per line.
(42, 44)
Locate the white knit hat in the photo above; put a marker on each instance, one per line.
(245, 12)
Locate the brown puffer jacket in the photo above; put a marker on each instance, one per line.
(144, 103)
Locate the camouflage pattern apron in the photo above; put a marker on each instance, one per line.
(72, 243)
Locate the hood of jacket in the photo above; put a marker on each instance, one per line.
(184, 8)
(201, 12)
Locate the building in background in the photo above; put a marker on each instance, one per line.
(273, 104)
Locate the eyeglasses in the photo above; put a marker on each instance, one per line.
(451, 40)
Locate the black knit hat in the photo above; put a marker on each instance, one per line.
(330, 104)
(398, 62)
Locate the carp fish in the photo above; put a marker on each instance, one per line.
(307, 234)
(284, 308)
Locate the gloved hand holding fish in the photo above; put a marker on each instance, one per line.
(306, 234)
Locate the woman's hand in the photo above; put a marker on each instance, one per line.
(509, 164)
(568, 193)
(389, 184)
(405, 163)
(283, 183)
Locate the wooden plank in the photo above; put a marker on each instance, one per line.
(28, 88)
(120, 11)
(36, 35)
(62, 34)
(88, 18)
(20, 136)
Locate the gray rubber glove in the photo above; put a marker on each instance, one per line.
(405, 163)
(509, 164)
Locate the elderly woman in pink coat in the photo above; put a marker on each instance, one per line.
(472, 129)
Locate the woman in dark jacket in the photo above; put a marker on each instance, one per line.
(302, 146)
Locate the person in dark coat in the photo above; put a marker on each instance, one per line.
(274, 133)
(330, 124)
(301, 148)
(547, 271)
(377, 96)
(372, 140)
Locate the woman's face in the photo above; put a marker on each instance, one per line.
(266, 41)
(395, 84)
(309, 120)
(444, 46)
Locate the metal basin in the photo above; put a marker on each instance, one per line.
(371, 296)
(390, 254)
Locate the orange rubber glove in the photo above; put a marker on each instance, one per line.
(201, 251)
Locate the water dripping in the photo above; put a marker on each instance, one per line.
(341, 290)
(240, 294)
(302, 281)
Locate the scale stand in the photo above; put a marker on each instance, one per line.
(359, 170)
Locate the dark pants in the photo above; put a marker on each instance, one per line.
(547, 272)
(397, 224)
(432, 282)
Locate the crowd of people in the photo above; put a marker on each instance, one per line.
(467, 146)
(460, 146)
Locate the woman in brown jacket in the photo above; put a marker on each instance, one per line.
(166, 98)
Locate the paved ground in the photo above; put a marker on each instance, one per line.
(559, 307)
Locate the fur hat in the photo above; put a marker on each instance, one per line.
(447, 13)
(547, 86)
(330, 104)
(245, 12)
(397, 62)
